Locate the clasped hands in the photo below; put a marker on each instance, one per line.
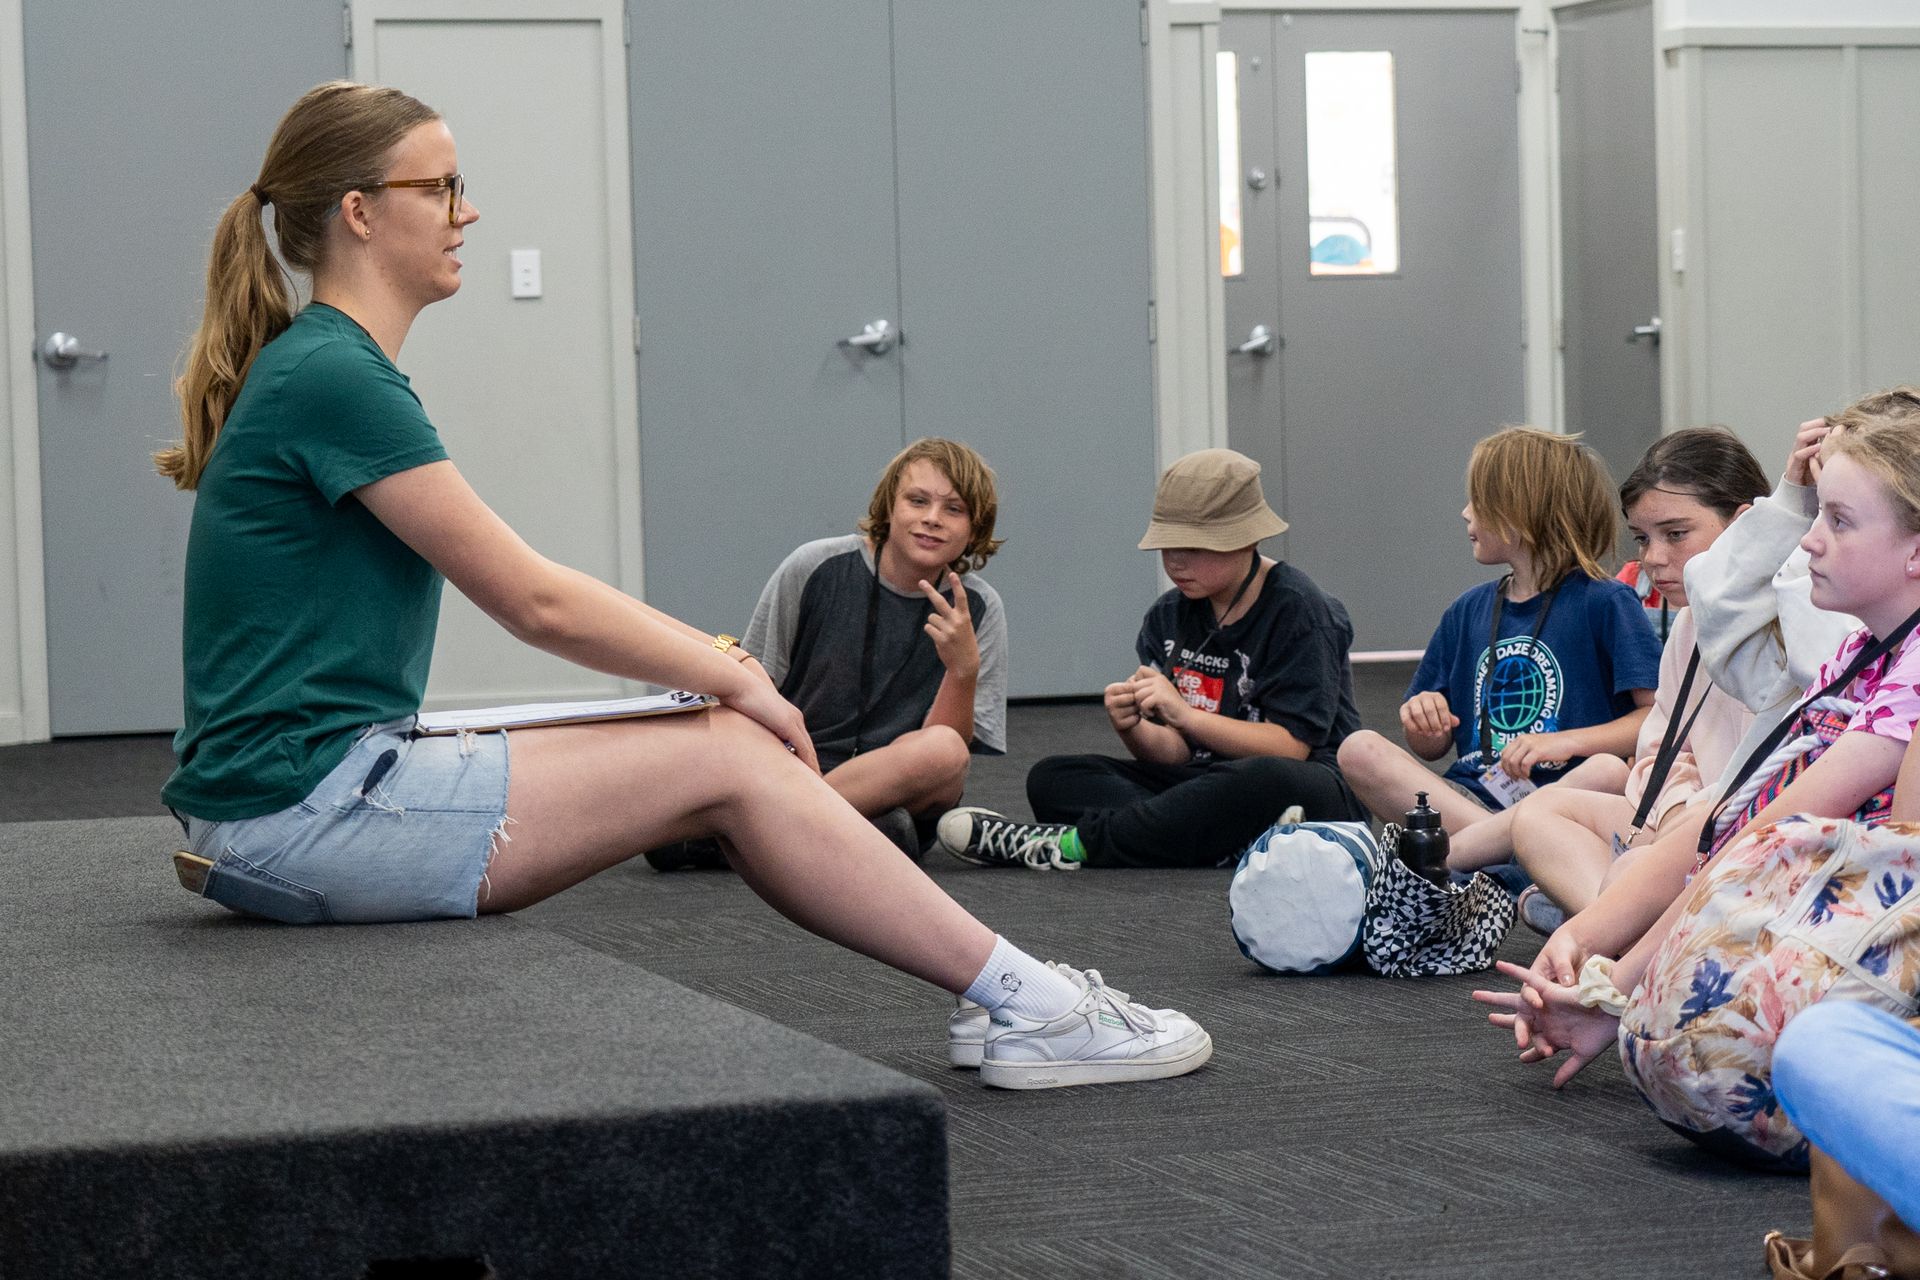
(1145, 695)
(1545, 1014)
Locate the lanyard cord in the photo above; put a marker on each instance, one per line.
(1219, 624)
(1865, 658)
(1493, 646)
(1670, 744)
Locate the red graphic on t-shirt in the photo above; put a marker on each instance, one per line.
(1198, 689)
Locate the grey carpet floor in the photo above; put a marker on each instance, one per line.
(1348, 1126)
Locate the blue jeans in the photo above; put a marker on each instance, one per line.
(402, 829)
(1848, 1075)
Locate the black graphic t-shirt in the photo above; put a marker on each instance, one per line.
(1284, 662)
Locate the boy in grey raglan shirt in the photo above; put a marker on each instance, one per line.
(891, 644)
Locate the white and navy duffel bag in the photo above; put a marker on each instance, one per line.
(1299, 896)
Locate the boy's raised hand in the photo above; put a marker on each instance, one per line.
(1157, 699)
(1803, 467)
(951, 626)
(1427, 715)
(1122, 710)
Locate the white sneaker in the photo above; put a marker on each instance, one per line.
(1104, 1039)
(967, 1024)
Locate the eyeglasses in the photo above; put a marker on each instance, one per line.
(456, 186)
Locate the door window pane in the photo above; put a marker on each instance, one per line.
(1353, 214)
(1227, 99)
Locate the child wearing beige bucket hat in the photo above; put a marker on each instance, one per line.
(1235, 712)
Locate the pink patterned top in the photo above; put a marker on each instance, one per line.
(1888, 691)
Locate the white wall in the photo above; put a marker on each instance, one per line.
(23, 646)
(1789, 13)
(1791, 167)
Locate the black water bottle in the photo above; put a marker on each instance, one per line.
(1423, 841)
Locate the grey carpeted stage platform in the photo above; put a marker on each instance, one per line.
(191, 1094)
(1348, 1126)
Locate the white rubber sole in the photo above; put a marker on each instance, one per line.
(966, 1053)
(1192, 1055)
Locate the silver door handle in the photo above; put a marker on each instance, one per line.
(1649, 331)
(1261, 342)
(877, 338)
(62, 351)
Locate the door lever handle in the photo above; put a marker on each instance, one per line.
(1261, 342)
(1649, 330)
(62, 351)
(876, 339)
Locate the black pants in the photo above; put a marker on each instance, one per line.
(1130, 813)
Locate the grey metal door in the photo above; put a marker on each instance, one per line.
(1256, 377)
(143, 121)
(1609, 230)
(1024, 271)
(763, 203)
(1388, 379)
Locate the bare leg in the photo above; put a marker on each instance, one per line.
(1486, 843)
(1385, 777)
(1564, 838)
(585, 797)
(1490, 843)
(921, 772)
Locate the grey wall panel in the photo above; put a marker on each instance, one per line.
(143, 122)
(1774, 243)
(763, 232)
(1889, 131)
(1609, 232)
(1024, 269)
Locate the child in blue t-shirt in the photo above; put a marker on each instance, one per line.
(1526, 676)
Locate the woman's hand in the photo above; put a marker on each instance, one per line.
(951, 627)
(760, 702)
(1157, 699)
(1803, 464)
(1547, 1018)
(1526, 750)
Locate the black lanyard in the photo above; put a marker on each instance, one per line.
(1670, 744)
(1493, 651)
(1219, 624)
(1864, 659)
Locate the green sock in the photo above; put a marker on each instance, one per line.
(1071, 850)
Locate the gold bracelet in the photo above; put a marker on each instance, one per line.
(731, 645)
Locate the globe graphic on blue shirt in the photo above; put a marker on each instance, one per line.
(1516, 693)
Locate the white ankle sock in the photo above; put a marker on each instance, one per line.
(1017, 982)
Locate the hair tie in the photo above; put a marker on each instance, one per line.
(260, 194)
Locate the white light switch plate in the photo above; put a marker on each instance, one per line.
(525, 273)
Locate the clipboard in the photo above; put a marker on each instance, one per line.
(535, 715)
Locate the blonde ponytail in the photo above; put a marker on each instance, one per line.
(249, 301)
(335, 139)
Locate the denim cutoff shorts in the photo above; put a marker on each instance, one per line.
(402, 829)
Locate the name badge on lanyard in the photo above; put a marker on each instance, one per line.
(1506, 788)
(1500, 784)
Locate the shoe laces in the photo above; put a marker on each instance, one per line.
(1006, 841)
(1042, 853)
(1137, 1016)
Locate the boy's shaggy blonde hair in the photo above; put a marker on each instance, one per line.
(971, 478)
(1549, 493)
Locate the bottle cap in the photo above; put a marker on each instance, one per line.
(1421, 817)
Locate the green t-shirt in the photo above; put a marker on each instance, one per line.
(306, 620)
